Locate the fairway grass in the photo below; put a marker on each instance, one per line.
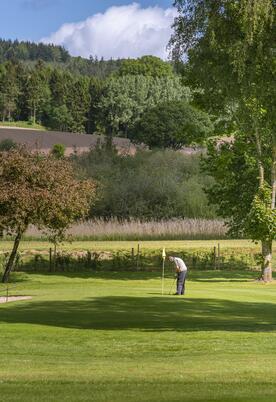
(113, 337)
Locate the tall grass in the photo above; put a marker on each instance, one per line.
(133, 229)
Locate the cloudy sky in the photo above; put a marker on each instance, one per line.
(108, 28)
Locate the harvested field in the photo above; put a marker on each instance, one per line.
(74, 142)
(43, 141)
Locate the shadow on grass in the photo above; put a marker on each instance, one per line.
(146, 314)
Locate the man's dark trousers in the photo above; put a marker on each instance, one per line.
(180, 285)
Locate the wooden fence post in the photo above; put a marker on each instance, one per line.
(218, 255)
(50, 259)
(138, 257)
(132, 257)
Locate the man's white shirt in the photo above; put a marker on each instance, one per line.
(180, 264)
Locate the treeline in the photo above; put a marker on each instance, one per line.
(149, 185)
(119, 105)
(29, 53)
(25, 50)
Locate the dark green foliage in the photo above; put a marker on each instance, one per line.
(15, 50)
(172, 125)
(65, 101)
(149, 185)
(236, 180)
(30, 52)
(7, 144)
(52, 97)
(126, 98)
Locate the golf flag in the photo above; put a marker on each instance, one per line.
(164, 253)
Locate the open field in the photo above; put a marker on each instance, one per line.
(113, 337)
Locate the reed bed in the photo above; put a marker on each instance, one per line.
(114, 229)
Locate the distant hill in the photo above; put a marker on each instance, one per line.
(30, 52)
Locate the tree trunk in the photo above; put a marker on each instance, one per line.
(10, 262)
(260, 163)
(267, 260)
(273, 175)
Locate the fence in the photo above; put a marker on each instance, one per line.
(133, 260)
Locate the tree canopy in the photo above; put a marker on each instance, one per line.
(126, 98)
(232, 62)
(39, 190)
(146, 65)
(172, 125)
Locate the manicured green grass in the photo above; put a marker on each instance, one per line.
(113, 337)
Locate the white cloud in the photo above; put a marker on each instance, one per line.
(120, 32)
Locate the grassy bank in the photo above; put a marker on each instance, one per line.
(22, 124)
(113, 337)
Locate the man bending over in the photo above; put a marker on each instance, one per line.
(181, 271)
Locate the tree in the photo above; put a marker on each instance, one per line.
(9, 90)
(146, 65)
(125, 99)
(232, 59)
(172, 125)
(96, 87)
(39, 190)
(37, 91)
(78, 102)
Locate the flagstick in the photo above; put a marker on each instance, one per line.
(163, 269)
(163, 275)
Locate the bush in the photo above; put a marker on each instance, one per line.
(58, 151)
(7, 144)
(150, 185)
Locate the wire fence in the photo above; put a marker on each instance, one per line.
(134, 259)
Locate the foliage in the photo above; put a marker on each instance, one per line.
(64, 101)
(7, 145)
(262, 219)
(58, 151)
(29, 53)
(39, 190)
(24, 50)
(125, 98)
(148, 185)
(231, 59)
(147, 66)
(172, 125)
(37, 92)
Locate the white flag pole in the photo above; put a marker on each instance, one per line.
(163, 269)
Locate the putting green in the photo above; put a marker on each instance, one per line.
(113, 337)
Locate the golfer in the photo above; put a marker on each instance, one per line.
(181, 271)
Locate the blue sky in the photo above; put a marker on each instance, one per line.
(35, 19)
